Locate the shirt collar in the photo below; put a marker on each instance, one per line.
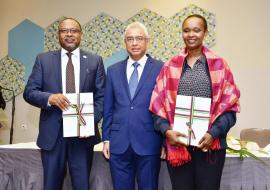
(141, 61)
(201, 60)
(76, 52)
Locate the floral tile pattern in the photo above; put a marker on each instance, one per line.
(11, 77)
(51, 41)
(176, 22)
(104, 35)
(157, 27)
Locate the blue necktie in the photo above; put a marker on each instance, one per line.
(133, 80)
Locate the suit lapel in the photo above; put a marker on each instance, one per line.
(83, 69)
(123, 76)
(145, 74)
(56, 60)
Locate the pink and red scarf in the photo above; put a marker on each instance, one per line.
(225, 97)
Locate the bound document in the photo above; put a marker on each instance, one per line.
(191, 118)
(78, 120)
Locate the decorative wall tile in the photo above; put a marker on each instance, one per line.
(116, 57)
(176, 22)
(103, 35)
(51, 36)
(25, 41)
(11, 76)
(157, 29)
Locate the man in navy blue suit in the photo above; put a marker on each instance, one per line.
(130, 142)
(45, 89)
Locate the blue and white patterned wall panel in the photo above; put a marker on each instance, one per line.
(116, 57)
(157, 27)
(104, 35)
(25, 41)
(51, 36)
(12, 74)
(177, 20)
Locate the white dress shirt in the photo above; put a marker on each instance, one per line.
(76, 64)
(130, 67)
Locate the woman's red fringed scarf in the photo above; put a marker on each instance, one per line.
(225, 97)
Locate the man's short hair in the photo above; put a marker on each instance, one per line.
(69, 18)
(137, 25)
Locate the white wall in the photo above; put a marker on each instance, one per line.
(243, 36)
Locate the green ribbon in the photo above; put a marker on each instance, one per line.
(81, 120)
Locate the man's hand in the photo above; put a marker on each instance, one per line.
(163, 153)
(206, 142)
(106, 150)
(173, 137)
(59, 100)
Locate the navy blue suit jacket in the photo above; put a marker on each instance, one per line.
(129, 122)
(46, 79)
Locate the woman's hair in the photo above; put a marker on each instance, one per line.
(197, 16)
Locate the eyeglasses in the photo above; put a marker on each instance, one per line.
(71, 31)
(138, 39)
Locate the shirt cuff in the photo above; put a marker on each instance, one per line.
(164, 128)
(214, 132)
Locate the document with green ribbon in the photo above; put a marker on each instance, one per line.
(78, 120)
(191, 118)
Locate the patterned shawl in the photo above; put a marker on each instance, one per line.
(225, 96)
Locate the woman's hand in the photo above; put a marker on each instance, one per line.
(206, 142)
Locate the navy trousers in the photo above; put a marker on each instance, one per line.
(129, 165)
(72, 151)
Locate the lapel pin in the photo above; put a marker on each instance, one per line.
(84, 56)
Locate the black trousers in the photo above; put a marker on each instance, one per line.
(203, 172)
